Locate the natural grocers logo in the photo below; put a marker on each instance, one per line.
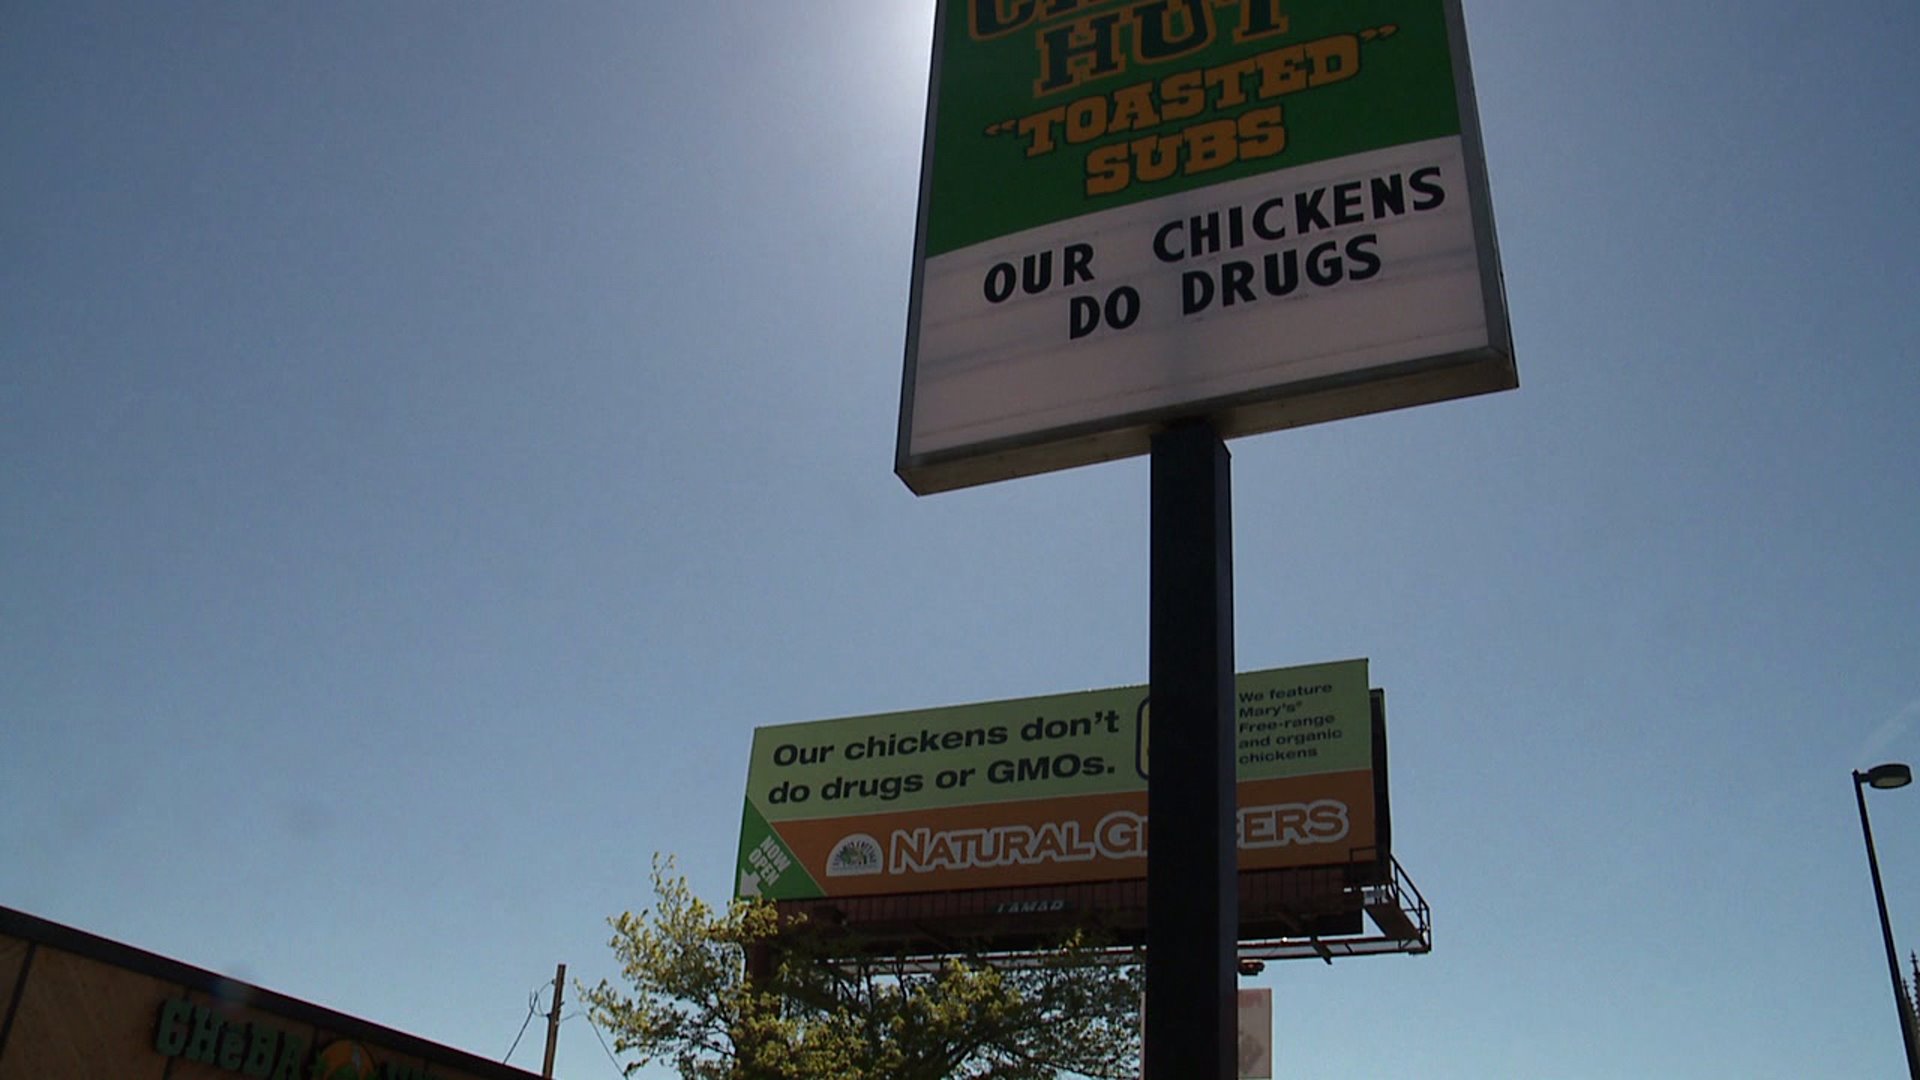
(855, 855)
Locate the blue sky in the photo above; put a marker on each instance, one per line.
(433, 436)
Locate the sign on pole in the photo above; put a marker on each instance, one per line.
(1255, 1009)
(1264, 213)
(1256, 1034)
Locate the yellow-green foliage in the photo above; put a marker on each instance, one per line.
(688, 1000)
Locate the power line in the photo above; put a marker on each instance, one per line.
(603, 1043)
(533, 1006)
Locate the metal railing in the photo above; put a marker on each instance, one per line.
(1395, 900)
(1389, 900)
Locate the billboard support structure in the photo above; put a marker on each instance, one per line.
(1192, 893)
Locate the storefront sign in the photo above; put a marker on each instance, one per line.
(198, 1033)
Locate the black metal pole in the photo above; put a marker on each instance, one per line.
(1192, 893)
(1886, 929)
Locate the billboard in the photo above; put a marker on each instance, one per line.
(1265, 212)
(1049, 791)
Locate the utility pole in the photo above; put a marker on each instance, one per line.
(553, 1021)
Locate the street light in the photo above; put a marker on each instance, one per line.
(1890, 775)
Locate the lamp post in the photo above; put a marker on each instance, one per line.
(1891, 775)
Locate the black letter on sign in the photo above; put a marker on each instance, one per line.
(1196, 291)
(999, 284)
(1036, 273)
(1365, 262)
(991, 18)
(1085, 317)
(1154, 37)
(1079, 264)
(1428, 194)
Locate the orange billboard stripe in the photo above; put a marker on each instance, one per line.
(1297, 821)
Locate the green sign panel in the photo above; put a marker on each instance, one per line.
(1090, 106)
(1264, 213)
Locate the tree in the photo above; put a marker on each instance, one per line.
(690, 1001)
